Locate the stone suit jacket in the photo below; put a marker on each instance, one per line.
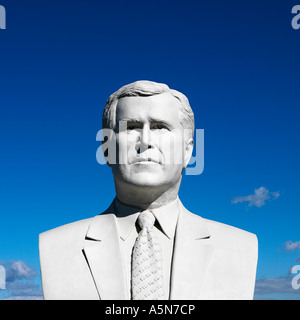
(211, 260)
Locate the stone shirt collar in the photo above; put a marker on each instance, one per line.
(166, 216)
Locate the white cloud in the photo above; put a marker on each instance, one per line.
(275, 285)
(20, 290)
(24, 298)
(21, 282)
(18, 270)
(291, 246)
(259, 197)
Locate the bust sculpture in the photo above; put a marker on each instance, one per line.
(186, 256)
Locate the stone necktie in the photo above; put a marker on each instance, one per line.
(146, 265)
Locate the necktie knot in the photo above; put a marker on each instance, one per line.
(146, 219)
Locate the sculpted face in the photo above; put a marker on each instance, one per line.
(150, 141)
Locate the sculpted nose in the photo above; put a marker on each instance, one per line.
(145, 140)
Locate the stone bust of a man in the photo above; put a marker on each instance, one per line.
(147, 245)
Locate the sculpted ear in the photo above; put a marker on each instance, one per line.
(188, 151)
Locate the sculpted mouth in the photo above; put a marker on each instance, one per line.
(146, 160)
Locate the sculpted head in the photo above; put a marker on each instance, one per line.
(154, 127)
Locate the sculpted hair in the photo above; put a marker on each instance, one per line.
(144, 89)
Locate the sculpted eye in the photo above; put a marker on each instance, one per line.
(159, 126)
(133, 126)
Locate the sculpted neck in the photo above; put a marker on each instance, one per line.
(146, 197)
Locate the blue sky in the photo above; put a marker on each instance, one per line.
(238, 63)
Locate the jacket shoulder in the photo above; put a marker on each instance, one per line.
(65, 234)
(71, 231)
(233, 264)
(226, 238)
(226, 234)
(62, 262)
(219, 232)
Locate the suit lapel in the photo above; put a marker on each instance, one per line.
(192, 253)
(103, 254)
